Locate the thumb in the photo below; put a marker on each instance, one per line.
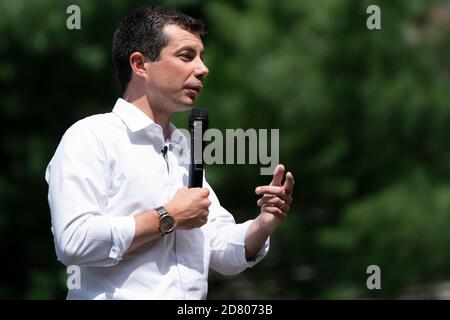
(277, 175)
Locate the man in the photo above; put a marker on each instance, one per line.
(120, 208)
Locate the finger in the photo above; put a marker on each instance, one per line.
(277, 175)
(282, 194)
(204, 192)
(273, 201)
(206, 203)
(275, 211)
(263, 198)
(276, 202)
(201, 223)
(275, 191)
(289, 183)
(203, 219)
(203, 213)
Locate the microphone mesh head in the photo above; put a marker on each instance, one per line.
(199, 114)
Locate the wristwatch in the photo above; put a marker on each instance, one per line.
(166, 221)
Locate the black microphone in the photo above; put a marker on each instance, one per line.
(164, 151)
(198, 124)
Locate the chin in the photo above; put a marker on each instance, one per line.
(183, 107)
(184, 103)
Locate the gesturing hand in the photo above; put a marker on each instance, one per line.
(277, 198)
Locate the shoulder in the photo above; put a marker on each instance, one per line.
(97, 123)
(92, 132)
(98, 126)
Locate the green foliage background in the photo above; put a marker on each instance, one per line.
(364, 122)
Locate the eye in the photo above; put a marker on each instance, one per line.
(187, 56)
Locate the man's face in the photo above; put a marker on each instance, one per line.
(176, 79)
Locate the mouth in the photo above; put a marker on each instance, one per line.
(193, 91)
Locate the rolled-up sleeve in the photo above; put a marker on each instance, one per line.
(78, 180)
(227, 240)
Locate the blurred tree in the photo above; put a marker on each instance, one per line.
(363, 118)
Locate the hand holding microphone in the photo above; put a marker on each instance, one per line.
(189, 207)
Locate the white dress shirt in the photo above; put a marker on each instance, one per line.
(109, 167)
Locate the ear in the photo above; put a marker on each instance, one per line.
(137, 64)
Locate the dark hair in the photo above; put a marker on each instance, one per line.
(141, 31)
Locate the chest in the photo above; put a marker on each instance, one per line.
(141, 172)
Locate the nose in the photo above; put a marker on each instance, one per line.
(201, 70)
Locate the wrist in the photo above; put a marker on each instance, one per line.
(167, 223)
(154, 215)
(267, 223)
(170, 209)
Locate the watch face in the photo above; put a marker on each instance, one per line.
(166, 223)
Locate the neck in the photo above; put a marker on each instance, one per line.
(158, 116)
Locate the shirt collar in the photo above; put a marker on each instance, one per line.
(136, 120)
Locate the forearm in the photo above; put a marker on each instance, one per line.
(146, 229)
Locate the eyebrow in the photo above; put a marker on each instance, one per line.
(190, 48)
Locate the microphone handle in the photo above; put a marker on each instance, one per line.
(196, 165)
(195, 176)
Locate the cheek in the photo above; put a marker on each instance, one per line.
(161, 80)
(178, 71)
(169, 76)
